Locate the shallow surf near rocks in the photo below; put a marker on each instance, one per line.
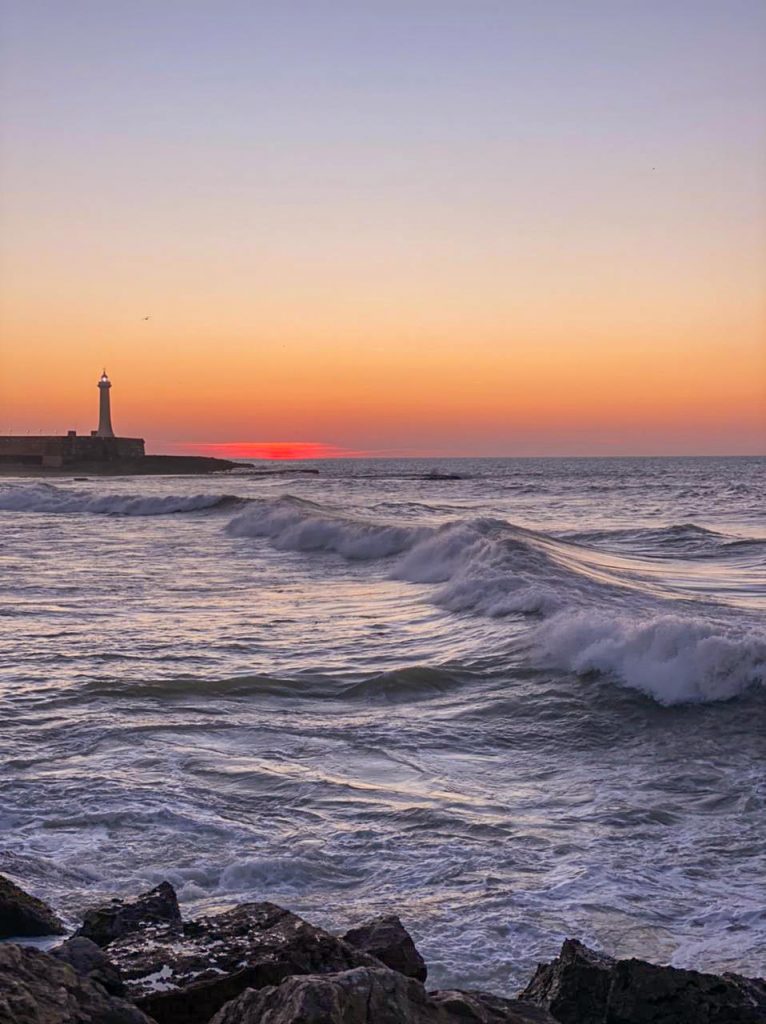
(137, 961)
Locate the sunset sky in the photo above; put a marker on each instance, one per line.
(490, 227)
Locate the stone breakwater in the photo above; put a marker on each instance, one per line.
(139, 962)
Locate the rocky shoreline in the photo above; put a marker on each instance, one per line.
(137, 961)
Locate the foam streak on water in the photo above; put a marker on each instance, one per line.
(511, 699)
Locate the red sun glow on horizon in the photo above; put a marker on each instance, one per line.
(274, 450)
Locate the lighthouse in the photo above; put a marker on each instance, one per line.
(104, 410)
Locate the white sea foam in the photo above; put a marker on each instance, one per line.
(50, 499)
(483, 566)
(671, 658)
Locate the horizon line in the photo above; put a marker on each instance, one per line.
(306, 451)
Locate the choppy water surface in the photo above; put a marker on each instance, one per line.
(511, 699)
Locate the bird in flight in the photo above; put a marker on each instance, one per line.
(145, 318)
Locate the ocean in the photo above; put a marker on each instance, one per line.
(511, 700)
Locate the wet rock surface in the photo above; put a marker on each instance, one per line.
(91, 961)
(386, 938)
(111, 921)
(36, 988)
(187, 974)
(582, 986)
(25, 915)
(371, 995)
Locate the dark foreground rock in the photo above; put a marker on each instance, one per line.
(585, 987)
(137, 962)
(187, 974)
(36, 988)
(104, 924)
(372, 995)
(25, 915)
(386, 938)
(91, 961)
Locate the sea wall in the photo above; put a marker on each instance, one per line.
(53, 451)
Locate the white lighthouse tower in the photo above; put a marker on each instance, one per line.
(104, 409)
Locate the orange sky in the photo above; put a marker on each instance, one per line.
(484, 259)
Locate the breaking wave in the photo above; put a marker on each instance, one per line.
(605, 609)
(47, 498)
(486, 566)
(296, 525)
(492, 568)
(675, 660)
(483, 565)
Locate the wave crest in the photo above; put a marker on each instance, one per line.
(485, 566)
(296, 525)
(673, 659)
(686, 540)
(46, 498)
